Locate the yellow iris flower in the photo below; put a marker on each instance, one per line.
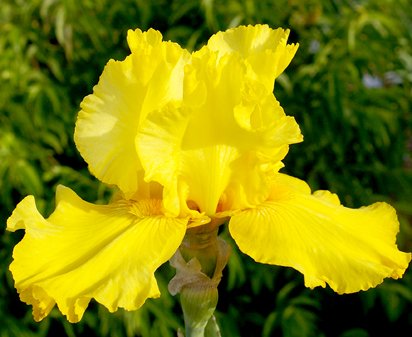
(190, 138)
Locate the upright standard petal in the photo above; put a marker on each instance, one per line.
(229, 132)
(350, 249)
(84, 251)
(265, 50)
(127, 91)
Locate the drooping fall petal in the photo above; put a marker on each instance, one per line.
(84, 251)
(127, 91)
(350, 249)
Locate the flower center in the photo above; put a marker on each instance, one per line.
(145, 207)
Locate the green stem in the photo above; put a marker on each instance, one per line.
(212, 328)
(199, 263)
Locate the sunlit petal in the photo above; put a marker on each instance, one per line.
(228, 133)
(84, 251)
(127, 91)
(265, 50)
(350, 249)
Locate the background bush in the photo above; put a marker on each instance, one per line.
(349, 87)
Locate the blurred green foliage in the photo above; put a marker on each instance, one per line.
(349, 87)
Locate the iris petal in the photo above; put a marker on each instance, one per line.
(265, 50)
(127, 91)
(84, 251)
(350, 249)
(221, 142)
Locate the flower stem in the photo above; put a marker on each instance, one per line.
(199, 263)
(212, 328)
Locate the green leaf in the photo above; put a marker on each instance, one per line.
(356, 332)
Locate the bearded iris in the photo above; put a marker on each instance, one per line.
(190, 139)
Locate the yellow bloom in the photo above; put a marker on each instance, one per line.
(187, 138)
